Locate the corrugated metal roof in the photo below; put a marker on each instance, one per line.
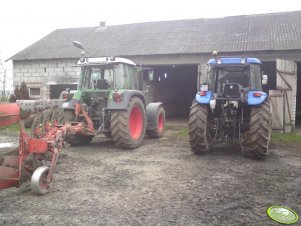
(276, 31)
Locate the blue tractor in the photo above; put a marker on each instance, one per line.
(230, 107)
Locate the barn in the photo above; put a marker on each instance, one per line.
(178, 51)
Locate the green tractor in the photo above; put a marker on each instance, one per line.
(110, 99)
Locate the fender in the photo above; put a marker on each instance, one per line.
(126, 96)
(204, 99)
(256, 97)
(151, 115)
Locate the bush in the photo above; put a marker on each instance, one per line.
(24, 95)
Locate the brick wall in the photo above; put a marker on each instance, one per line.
(42, 73)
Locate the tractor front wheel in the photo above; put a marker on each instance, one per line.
(199, 136)
(159, 130)
(128, 126)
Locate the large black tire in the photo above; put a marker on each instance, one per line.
(159, 130)
(128, 126)
(257, 143)
(199, 136)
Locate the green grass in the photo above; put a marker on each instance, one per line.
(276, 137)
(182, 133)
(4, 99)
(10, 128)
(286, 137)
(14, 128)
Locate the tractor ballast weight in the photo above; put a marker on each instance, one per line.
(231, 107)
(111, 92)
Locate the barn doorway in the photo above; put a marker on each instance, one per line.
(269, 69)
(175, 86)
(55, 90)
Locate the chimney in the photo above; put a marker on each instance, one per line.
(102, 25)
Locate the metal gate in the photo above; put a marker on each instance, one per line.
(283, 100)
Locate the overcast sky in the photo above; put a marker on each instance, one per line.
(23, 22)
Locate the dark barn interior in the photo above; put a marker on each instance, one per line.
(269, 69)
(175, 86)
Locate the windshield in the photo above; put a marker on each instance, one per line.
(113, 76)
(247, 77)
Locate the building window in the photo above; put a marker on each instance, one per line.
(34, 92)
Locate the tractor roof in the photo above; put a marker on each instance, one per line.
(234, 60)
(104, 61)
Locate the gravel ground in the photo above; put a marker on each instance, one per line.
(159, 183)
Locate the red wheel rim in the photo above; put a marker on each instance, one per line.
(160, 123)
(136, 123)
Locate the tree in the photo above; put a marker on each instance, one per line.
(12, 98)
(24, 95)
(20, 93)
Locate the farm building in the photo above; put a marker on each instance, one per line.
(178, 51)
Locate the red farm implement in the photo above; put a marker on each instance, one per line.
(33, 164)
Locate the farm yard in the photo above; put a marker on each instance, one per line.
(160, 183)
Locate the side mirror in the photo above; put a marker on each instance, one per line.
(150, 75)
(264, 79)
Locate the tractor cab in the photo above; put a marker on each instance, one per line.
(108, 73)
(234, 77)
(231, 107)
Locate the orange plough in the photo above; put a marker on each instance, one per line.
(27, 168)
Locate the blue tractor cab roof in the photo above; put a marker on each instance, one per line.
(234, 61)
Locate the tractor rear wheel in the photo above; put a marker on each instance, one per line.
(199, 136)
(128, 126)
(258, 140)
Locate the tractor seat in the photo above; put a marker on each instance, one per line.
(231, 90)
(102, 84)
